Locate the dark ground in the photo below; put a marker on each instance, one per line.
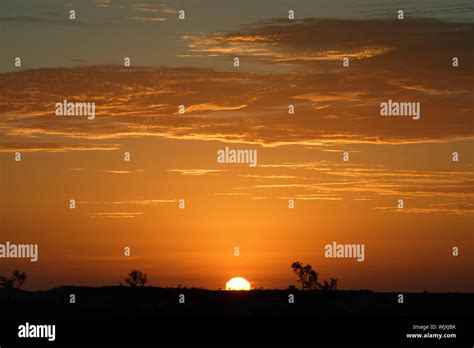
(116, 301)
(149, 314)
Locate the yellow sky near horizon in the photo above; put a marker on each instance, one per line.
(136, 204)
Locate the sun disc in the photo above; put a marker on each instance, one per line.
(237, 283)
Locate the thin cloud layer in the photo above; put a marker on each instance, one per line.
(429, 192)
(333, 104)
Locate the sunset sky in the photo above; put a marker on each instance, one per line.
(173, 156)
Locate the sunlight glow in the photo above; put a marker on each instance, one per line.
(237, 283)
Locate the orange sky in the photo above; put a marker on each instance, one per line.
(173, 157)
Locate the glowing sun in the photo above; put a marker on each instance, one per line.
(237, 283)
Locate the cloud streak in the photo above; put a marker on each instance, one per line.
(333, 104)
(197, 172)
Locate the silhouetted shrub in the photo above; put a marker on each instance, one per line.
(136, 278)
(18, 278)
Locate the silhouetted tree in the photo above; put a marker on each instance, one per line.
(298, 270)
(306, 275)
(17, 277)
(5, 282)
(292, 288)
(312, 282)
(309, 278)
(325, 286)
(136, 278)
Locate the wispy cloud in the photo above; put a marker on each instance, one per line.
(231, 194)
(149, 19)
(145, 201)
(154, 7)
(116, 215)
(270, 47)
(375, 184)
(41, 20)
(268, 176)
(123, 171)
(460, 211)
(312, 198)
(133, 202)
(333, 104)
(197, 172)
(212, 106)
(55, 147)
